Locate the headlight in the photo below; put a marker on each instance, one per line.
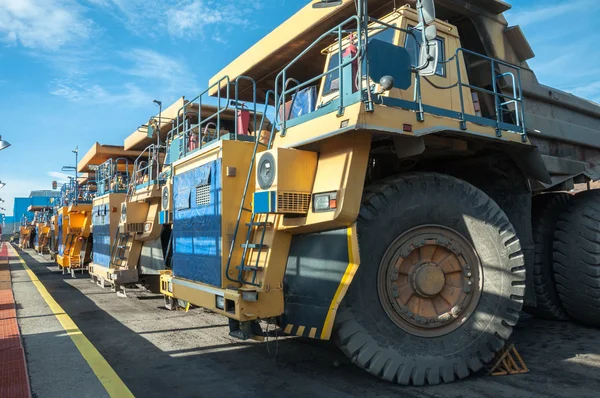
(165, 198)
(265, 173)
(324, 202)
(220, 304)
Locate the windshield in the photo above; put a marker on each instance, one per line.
(332, 81)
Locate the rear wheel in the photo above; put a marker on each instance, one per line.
(440, 284)
(547, 209)
(577, 258)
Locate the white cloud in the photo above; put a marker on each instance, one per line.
(543, 12)
(43, 24)
(127, 95)
(170, 73)
(170, 78)
(60, 177)
(181, 19)
(188, 18)
(590, 91)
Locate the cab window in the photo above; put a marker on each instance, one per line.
(332, 80)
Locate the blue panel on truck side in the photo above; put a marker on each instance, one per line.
(101, 236)
(61, 246)
(197, 224)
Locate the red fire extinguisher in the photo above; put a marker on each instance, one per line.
(351, 51)
(193, 142)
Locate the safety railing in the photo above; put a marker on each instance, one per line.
(112, 176)
(502, 101)
(282, 89)
(146, 168)
(192, 129)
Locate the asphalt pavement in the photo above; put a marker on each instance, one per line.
(158, 353)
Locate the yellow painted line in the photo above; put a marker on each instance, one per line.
(312, 333)
(300, 331)
(343, 286)
(288, 329)
(106, 375)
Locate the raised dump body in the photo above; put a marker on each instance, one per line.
(408, 197)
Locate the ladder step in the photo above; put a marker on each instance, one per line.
(248, 268)
(253, 246)
(262, 143)
(247, 209)
(259, 224)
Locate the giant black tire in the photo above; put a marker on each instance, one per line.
(365, 332)
(577, 258)
(546, 210)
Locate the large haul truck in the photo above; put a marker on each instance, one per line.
(25, 229)
(141, 241)
(42, 222)
(74, 226)
(410, 199)
(113, 166)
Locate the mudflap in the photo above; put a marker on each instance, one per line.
(319, 271)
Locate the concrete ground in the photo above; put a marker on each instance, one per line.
(161, 353)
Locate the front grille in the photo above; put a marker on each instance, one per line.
(203, 195)
(293, 202)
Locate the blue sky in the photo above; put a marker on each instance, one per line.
(76, 72)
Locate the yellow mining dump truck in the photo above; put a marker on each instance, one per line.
(112, 182)
(140, 248)
(74, 226)
(42, 219)
(25, 233)
(410, 199)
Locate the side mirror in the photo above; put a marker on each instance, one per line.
(150, 131)
(428, 58)
(429, 53)
(54, 185)
(427, 11)
(327, 3)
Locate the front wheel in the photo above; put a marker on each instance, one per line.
(440, 285)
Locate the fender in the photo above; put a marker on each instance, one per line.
(320, 268)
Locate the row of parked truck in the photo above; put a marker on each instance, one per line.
(366, 173)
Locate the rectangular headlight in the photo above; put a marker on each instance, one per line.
(324, 202)
(220, 302)
(250, 296)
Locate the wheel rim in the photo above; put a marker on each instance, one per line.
(430, 281)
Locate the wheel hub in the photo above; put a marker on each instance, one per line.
(429, 280)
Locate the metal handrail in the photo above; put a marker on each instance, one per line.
(517, 97)
(109, 178)
(247, 184)
(280, 97)
(150, 167)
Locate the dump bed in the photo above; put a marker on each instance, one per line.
(99, 154)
